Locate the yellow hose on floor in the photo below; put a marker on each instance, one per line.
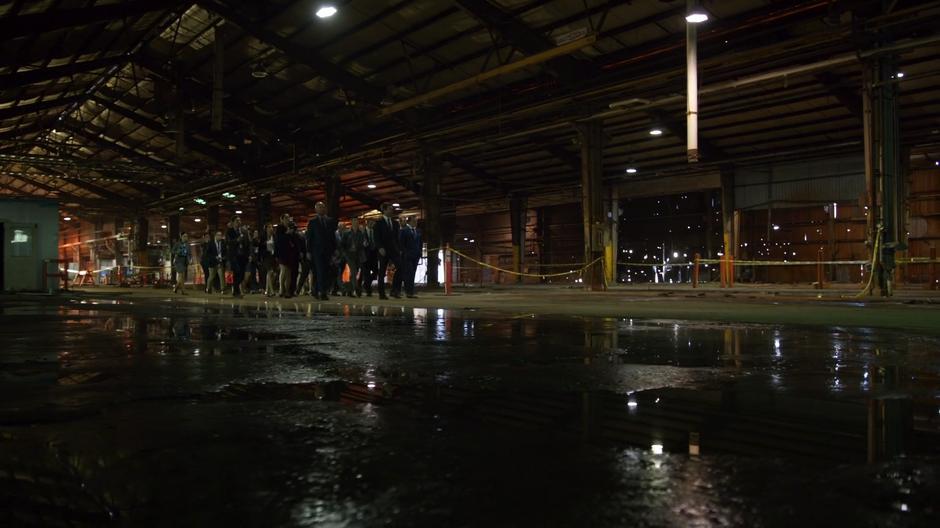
(874, 262)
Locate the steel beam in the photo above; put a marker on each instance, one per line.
(521, 36)
(22, 78)
(55, 19)
(476, 172)
(298, 53)
(19, 110)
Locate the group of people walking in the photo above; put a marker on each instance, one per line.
(289, 262)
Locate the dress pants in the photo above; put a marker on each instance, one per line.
(216, 272)
(352, 285)
(409, 269)
(302, 280)
(238, 275)
(324, 271)
(394, 260)
(285, 279)
(367, 275)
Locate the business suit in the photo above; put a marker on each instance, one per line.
(204, 261)
(354, 253)
(321, 245)
(370, 261)
(216, 254)
(237, 257)
(287, 254)
(410, 255)
(386, 238)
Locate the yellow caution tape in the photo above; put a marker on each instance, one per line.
(519, 274)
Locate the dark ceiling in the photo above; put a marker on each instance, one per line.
(108, 105)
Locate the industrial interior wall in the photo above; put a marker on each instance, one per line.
(30, 236)
(834, 231)
(923, 223)
(554, 237)
(801, 211)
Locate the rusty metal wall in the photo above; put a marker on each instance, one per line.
(799, 184)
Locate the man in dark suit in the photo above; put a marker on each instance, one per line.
(410, 255)
(386, 242)
(370, 259)
(321, 246)
(237, 244)
(216, 254)
(204, 260)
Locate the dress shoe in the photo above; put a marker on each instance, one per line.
(324, 298)
(383, 297)
(412, 296)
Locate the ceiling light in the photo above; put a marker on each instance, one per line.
(198, 220)
(697, 16)
(656, 132)
(162, 226)
(396, 204)
(181, 208)
(238, 211)
(631, 170)
(326, 11)
(371, 186)
(67, 218)
(900, 76)
(199, 201)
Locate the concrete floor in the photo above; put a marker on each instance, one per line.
(914, 309)
(516, 407)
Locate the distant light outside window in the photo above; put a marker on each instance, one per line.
(20, 244)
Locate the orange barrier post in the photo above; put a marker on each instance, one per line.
(448, 270)
(695, 271)
(933, 270)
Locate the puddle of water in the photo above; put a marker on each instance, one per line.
(367, 414)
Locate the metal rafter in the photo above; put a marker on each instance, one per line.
(38, 23)
(298, 53)
(522, 36)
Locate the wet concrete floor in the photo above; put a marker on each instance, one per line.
(158, 412)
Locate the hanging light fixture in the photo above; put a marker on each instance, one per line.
(656, 132)
(695, 14)
(326, 11)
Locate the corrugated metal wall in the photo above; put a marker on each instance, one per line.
(799, 184)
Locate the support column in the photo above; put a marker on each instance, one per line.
(883, 167)
(543, 219)
(213, 220)
(334, 191)
(727, 210)
(218, 75)
(263, 206)
(141, 237)
(431, 201)
(518, 217)
(592, 201)
(612, 240)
